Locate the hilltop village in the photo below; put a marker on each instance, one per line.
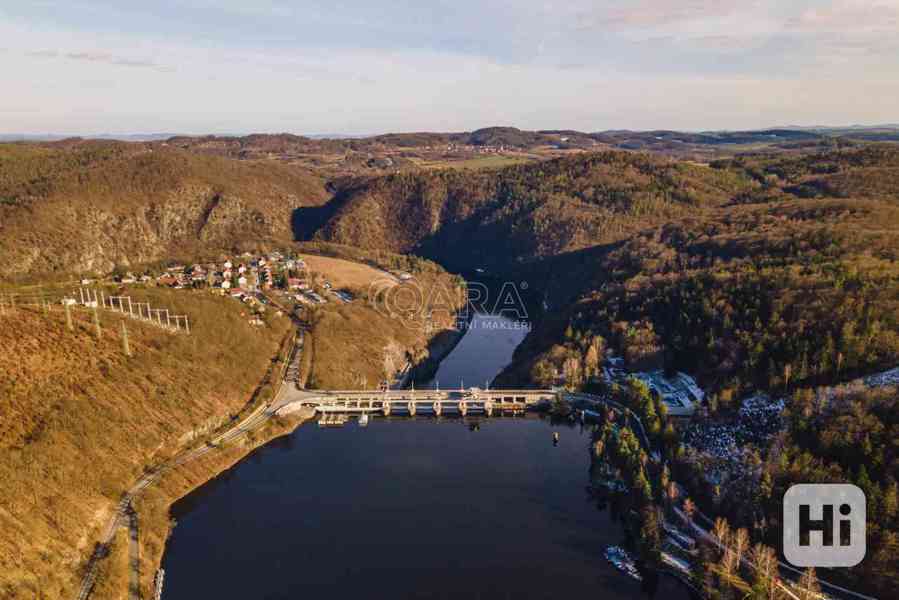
(256, 280)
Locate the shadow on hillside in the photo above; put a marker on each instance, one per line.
(483, 242)
(479, 242)
(307, 220)
(568, 275)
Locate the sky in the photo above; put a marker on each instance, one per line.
(369, 66)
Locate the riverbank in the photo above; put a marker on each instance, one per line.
(84, 414)
(357, 345)
(490, 345)
(198, 458)
(439, 347)
(155, 504)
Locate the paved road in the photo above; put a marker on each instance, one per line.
(251, 422)
(133, 557)
(706, 535)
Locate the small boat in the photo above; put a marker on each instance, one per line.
(332, 420)
(623, 562)
(614, 485)
(363, 420)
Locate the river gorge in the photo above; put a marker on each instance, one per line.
(409, 508)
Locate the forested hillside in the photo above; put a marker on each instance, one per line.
(852, 438)
(773, 289)
(791, 286)
(756, 297)
(754, 272)
(90, 206)
(467, 219)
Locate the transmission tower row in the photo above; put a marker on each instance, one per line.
(143, 311)
(94, 299)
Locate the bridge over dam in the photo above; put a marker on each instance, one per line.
(412, 402)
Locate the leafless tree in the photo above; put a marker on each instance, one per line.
(765, 562)
(739, 544)
(689, 510)
(808, 585)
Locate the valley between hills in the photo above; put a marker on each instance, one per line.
(761, 269)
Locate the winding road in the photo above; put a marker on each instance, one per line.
(124, 513)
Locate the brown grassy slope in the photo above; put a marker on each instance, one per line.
(80, 420)
(89, 206)
(348, 341)
(497, 218)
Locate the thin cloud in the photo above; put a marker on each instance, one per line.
(851, 16)
(100, 58)
(729, 42)
(42, 54)
(90, 56)
(126, 62)
(369, 66)
(656, 13)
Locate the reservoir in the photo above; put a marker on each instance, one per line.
(408, 508)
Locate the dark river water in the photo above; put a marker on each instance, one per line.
(407, 508)
(482, 353)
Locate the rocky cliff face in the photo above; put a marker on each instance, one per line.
(135, 207)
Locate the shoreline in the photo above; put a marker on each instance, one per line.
(439, 347)
(199, 460)
(223, 463)
(680, 580)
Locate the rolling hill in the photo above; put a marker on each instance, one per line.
(468, 219)
(621, 239)
(90, 206)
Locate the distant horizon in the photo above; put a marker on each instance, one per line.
(155, 136)
(367, 66)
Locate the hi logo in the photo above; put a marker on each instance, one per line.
(824, 525)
